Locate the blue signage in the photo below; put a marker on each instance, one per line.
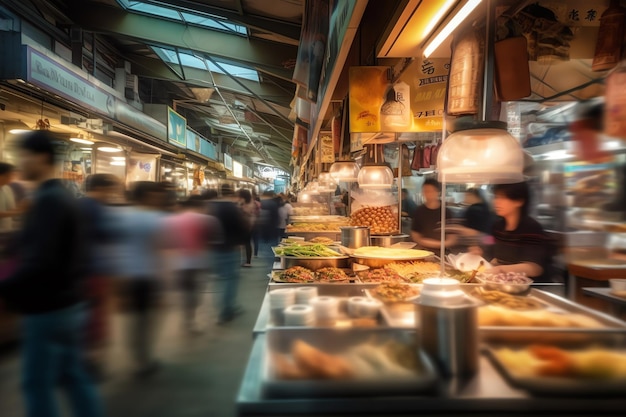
(208, 149)
(193, 141)
(176, 128)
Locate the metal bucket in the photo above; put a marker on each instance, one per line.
(450, 336)
(354, 237)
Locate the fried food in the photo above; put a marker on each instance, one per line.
(380, 220)
(552, 361)
(330, 274)
(415, 271)
(503, 299)
(297, 274)
(395, 292)
(318, 364)
(286, 368)
(382, 275)
(322, 240)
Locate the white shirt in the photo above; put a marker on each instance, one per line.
(283, 215)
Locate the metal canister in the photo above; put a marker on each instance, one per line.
(448, 330)
(354, 237)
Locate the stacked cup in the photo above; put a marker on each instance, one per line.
(305, 294)
(362, 307)
(280, 299)
(299, 315)
(326, 309)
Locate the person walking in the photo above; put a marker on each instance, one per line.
(101, 191)
(248, 208)
(8, 206)
(226, 253)
(139, 240)
(192, 229)
(46, 288)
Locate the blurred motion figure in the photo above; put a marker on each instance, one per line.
(45, 288)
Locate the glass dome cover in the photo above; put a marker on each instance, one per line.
(375, 177)
(480, 152)
(344, 171)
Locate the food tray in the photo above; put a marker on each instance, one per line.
(275, 277)
(338, 342)
(343, 321)
(557, 386)
(403, 316)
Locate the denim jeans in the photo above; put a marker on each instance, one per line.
(52, 356)
(228, 270)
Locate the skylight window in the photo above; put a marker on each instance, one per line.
(163, 10)
(188, 59)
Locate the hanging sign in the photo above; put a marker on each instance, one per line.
(427, 80)
(367, 87)
(327, 147)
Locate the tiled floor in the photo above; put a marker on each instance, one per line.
(200, 374)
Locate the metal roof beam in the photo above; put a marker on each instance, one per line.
(264, 24)
(157, 69)
(261, 55)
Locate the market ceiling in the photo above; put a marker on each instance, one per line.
(226, 65)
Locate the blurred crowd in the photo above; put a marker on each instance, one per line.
(70, 263)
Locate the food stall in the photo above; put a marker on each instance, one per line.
(369, 332)
(335, 336)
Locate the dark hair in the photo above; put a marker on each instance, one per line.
(433, 182)
(195, 201)
(518, 191)
(40, 142)
(476, 193)
(142, 190)
(227, 190)
(96, 181)
(405, 191)
(245, 194)
(6, 168)
(209, 194)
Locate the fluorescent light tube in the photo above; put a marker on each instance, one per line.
(452, 24)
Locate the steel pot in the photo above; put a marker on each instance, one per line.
(354, 237)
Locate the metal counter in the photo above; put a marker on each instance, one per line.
(487, 393)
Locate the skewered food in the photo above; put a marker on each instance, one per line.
(503, 299)
(380, 220)
(499, 316)
(297, 274)
(395, 292)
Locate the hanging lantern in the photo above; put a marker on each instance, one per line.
(347, 171)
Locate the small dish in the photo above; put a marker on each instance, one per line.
(510, 282)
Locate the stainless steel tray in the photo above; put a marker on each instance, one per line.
(334, 342)
(336, 290)
(403, 316)
(558, 386)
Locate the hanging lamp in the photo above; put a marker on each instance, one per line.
(376, 175)
(346, 171)
(480, 152)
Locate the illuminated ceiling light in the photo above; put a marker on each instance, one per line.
(481, 152)
(109, 149)
(437, 17)
(19, 131)
(449, 28)
(118, 163)
(347, 171)
(118, 158)
(375, 177)
(167, 169)
(82, 141)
